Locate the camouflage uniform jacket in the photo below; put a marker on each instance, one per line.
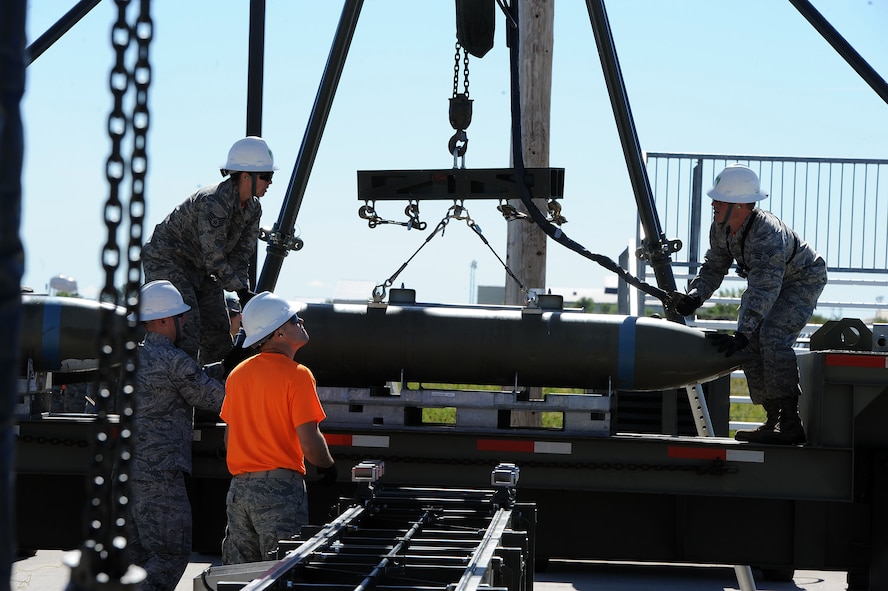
(771, 256)
(211, 233)
(169, 384)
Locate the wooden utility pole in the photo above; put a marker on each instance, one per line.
(526, 243)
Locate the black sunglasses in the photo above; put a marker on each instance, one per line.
(294, 319)
(266, 176)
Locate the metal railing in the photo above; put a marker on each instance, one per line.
(838, 205)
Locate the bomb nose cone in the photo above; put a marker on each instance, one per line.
(655, 351)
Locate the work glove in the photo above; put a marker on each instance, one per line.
(684, 303)
(235, 356)
(728, 344)
(244, 295)
(328, 475)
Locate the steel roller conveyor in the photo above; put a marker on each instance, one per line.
(405, 538)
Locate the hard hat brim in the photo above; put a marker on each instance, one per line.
(717, 196)
(156, 316)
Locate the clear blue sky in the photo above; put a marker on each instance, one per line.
(709, 76)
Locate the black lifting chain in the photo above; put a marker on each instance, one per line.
(105, 554)
(460, 108)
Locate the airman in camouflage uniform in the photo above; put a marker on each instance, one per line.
(169, 386)
(785, 277)
(205, 246)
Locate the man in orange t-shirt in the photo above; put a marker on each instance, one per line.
(272, 412)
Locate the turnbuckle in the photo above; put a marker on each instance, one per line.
(368, 212)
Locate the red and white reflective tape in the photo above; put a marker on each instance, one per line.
(713, 453)
(525, 446)
(338, 440)
(846, 360)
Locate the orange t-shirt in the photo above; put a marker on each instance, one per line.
(266, 398)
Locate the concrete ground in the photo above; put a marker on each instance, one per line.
(45, 571)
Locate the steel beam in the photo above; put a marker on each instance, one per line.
(57, 30)
(457, 184)
(657, 249)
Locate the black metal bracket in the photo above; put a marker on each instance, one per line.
(457, 183)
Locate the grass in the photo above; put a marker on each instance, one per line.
(447, 415)
(751, 413)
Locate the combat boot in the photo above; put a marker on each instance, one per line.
(789, 430)
(772, 408)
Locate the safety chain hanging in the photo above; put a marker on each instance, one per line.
(460, 109)
(456, 212)
(105, 554)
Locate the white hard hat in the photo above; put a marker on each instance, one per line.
(160, 299)
(263, 314)
(737, 184)
(250, 154)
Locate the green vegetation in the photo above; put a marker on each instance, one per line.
(751, 413)
(721, 311)
(446, 416)
(589, 306)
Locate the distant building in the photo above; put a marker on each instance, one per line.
(495, 295)
(491, 295)
(62, 284)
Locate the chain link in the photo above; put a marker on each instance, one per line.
(105, 548)
(459, 48)
(43, 440)
(456, 70)
(466, 73)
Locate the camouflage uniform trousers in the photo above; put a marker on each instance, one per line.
(207, 327)
(261, 512)
(160, 536)
(73, 397)
(774, 373)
